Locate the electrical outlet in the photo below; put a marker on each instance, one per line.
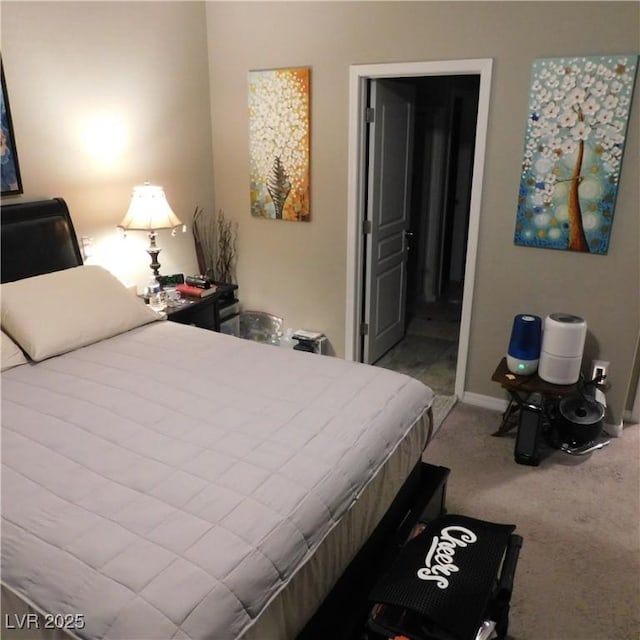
(600, 368)
(86, 245)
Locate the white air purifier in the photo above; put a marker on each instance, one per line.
(562, 347)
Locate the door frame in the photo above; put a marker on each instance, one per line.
(357, 164)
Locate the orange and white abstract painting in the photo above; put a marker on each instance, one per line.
(279, 143)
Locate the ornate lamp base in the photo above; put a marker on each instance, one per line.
(153, 252)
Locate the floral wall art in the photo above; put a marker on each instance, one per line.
(279, 143)
(574, 142)
(9, 168)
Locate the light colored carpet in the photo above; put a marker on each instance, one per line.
(441, 407)
(578, 576)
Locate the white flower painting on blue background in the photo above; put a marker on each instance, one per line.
(574, 143)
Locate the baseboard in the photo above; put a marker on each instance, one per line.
(613, 430)
(486, 402)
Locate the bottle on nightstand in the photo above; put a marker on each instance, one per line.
(153, 294)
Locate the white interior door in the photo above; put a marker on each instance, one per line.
(391, 118)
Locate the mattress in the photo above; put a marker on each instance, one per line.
(171, 482)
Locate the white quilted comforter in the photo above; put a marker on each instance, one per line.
(168, 482)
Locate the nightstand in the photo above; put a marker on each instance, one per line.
(203, 312)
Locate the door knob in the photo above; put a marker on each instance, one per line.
(406, 238)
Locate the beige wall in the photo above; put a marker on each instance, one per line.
(77, 69)
(146, 65)
(298, 270)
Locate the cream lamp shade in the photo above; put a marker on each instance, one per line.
(150, 211)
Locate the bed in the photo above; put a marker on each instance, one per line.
(164, 481)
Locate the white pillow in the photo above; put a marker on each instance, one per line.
(10, 353)
(61, 311)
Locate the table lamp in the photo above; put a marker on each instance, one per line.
(150, 211)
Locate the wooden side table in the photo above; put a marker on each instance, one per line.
(519, 388)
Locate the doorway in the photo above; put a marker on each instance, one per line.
(454, 261)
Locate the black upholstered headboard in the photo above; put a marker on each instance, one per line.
(37, 237)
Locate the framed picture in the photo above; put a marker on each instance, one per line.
(9, 168)
(279, 143)
(574, 143)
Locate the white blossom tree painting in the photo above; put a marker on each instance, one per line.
(574, 142)
(279, 143)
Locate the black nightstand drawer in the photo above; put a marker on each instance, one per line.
(201, 315)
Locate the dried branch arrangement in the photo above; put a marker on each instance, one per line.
(216, 242)
(227, 238)
(204, 239)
